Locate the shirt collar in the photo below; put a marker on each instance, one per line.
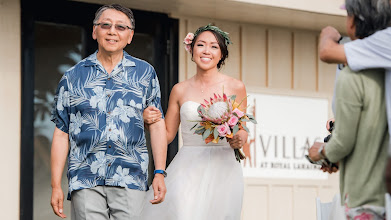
(127, 60)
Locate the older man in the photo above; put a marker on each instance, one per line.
(98, 110)
(371, 52)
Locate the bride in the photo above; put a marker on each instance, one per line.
(204, 181)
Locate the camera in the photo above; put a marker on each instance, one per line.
(326, 139)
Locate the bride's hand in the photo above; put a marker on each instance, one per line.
(151, 115)
(238, 140)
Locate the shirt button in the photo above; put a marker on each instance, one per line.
(108, 95)
(109, 146)
(109, 164)
(109, 113)
(108, 78)
(109, 129)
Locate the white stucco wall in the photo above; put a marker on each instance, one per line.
(10, 107)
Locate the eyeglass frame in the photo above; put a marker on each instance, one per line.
(115, 26)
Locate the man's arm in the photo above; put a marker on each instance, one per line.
(348, 113)
(329, 49)
(159, 151)
(59, 154)
(368, 53)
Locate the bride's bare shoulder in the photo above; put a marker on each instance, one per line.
(234, 84)
(180, 86)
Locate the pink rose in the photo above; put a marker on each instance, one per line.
(238, 112)
(187, 47)
(223, 130)
(363, 216)
(233, 121)
(189, 38)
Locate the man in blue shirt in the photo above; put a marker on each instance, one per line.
(98, 109)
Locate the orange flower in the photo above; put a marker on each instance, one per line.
(210, 138)
(235, 104)
(216, 140)
(230, 135)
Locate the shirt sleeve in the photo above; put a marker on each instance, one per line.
(371, 52)
(348, 111)
(153, 93)
(60, 109)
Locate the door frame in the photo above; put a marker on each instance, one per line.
(164, 29)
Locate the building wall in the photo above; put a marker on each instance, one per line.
(277, 61)
(10, 111)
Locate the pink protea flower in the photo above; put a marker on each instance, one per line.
(217, 109)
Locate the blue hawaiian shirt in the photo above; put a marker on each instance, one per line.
(103, 115)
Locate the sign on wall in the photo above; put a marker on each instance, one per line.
(287, 127)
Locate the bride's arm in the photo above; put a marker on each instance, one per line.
(239, 90)
(152, 115)
(173, 117)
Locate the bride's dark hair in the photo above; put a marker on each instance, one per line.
(222, 39)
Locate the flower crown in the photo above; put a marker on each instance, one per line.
(190, 36)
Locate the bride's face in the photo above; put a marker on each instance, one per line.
(206, 51)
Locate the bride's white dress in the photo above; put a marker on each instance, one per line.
(204, 182)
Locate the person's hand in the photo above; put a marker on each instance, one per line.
(328, 123)
(152, 115)
(238, 140)
(330, 33)
(313, 151)
(57, 201)
(388, 175)
(330, 170)
(159, 189)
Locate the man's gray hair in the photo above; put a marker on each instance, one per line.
(117, 7)
(369, 15)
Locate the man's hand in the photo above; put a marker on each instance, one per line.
(57, 202)
(152, 115)
(388, 175)
(329, 49)
(313, 151)
(330, 33)
(159, 189)
(330, 170)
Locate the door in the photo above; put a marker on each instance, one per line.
(54, 38)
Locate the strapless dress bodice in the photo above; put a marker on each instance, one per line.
(189, 117)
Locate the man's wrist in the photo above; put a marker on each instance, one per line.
(320, 151)
(162, 172)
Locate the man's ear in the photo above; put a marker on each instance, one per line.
(131, 36)
(94, 32)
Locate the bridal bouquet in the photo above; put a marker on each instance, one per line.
(221, 118)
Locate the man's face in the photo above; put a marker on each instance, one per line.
(112, 40)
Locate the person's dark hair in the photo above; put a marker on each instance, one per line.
(117, 7)
(223, 41)
(369, 15)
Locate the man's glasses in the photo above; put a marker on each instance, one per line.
(118, 27)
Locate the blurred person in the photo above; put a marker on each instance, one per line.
(371, 52)
(360, 138)
(98, 109)
(205, 181)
